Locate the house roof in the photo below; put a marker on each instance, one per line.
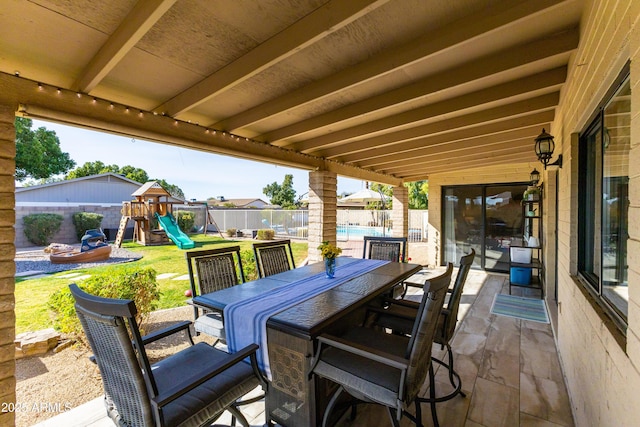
(109, 175)
(379, 90)
(150, 188)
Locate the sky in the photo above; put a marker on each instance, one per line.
(200, 175)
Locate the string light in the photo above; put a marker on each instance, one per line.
(141, 113)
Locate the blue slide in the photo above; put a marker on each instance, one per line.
(170, 226)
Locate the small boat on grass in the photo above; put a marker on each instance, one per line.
(93, 248)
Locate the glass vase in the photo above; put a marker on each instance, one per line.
(330, 267)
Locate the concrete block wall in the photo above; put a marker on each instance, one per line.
(67, 233)
(601, 364)
(322, 211)
(400, 212)
(7, 265)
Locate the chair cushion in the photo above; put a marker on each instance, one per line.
(208, 400)
(362, 377)
(210, 324)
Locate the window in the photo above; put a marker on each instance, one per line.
(604, 201)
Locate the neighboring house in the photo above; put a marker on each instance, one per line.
(239, 203)
(106, 188)
(102, 194)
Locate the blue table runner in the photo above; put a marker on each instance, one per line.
(246, 321)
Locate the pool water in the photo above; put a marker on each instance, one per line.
(345, 232)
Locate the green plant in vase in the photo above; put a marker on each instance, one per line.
(531, 194)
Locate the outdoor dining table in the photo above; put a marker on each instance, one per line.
(284, 313)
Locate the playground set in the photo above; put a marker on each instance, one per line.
(152, 213)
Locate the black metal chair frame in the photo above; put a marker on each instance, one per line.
(132, 393)
(216, 269)
(446, 324)
(412, 365)
(273, 257)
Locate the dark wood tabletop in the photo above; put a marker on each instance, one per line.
(307, 318)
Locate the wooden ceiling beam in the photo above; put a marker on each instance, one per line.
(504, 118)
(137, 23)
(518, 57)
(427, 46)
(456, 166)
(503, 93)
(328, 18)
(456, 153)
(517, 147)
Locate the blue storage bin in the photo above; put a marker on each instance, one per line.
(520, 275)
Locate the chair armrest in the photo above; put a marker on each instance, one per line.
(196, 380)
(405, 303)
(162, 333)
(414, 284)
(364, 351)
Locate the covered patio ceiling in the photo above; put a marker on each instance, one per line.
(380, 90)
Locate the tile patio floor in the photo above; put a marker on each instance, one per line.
(509, 369)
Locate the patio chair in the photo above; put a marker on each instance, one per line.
(273, 257)
(191, 387)
(376, 367)
(387, 249)
(400, 314)
(215, 269)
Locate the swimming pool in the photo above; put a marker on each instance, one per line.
(357, 232)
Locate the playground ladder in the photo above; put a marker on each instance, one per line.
(121, 230)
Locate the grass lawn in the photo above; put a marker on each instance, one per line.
(32, 312)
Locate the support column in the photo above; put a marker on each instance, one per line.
(400, 212)
(7, 265)
(322, 211)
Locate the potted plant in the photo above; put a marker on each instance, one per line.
(329, 253)
(532, 193)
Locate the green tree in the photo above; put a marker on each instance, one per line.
(92, 168)
(387, 196)
(283, 195)
(418, 194)
(38, 153)
(174, 190)
(136, 174)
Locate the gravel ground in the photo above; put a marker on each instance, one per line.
(55, 382)
(37, 260)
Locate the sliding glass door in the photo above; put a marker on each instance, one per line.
(487, 218)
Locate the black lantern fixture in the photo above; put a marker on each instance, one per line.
(544, 150)
(534, 177)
